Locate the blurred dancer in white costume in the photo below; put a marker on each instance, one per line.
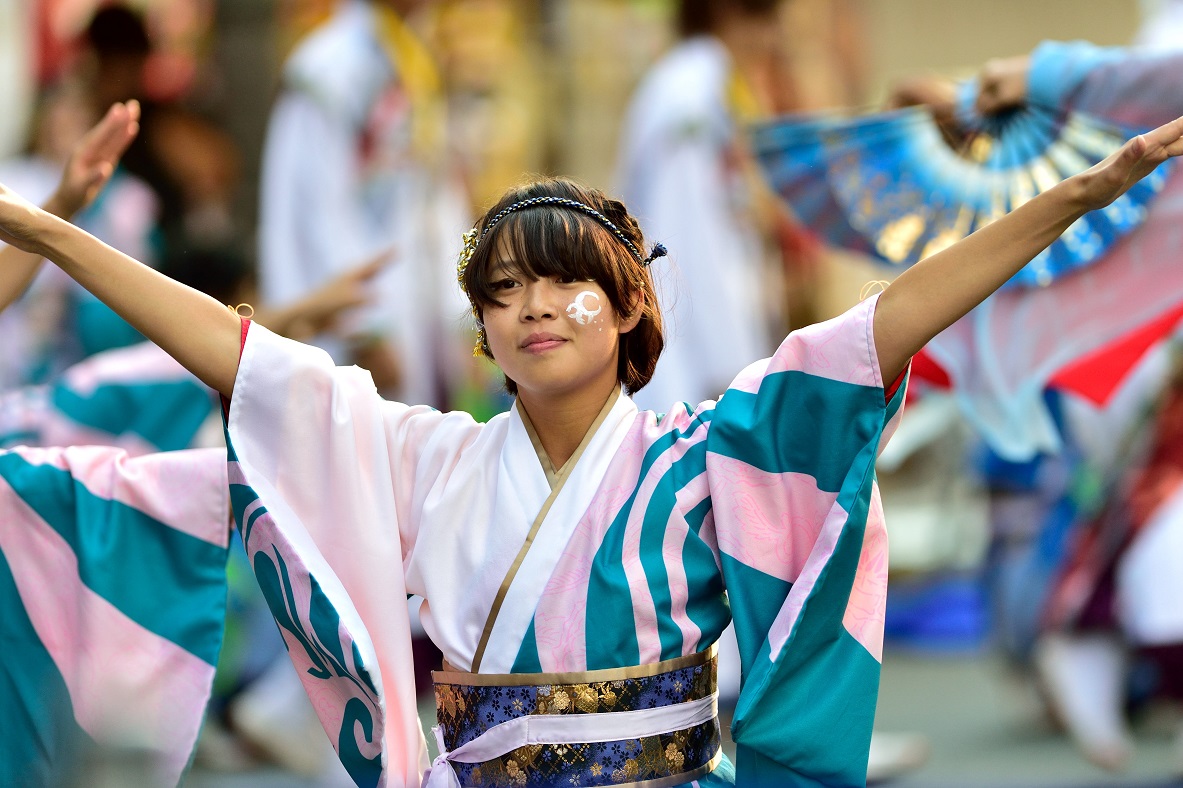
(683, 171)
(355, 163)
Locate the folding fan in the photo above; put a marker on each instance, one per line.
(889, 185)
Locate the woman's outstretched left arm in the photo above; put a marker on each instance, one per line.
(936, 292)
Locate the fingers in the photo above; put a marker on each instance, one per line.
(109, 138)
(375, 264)
(124, 128)
(98, 179)
(988, 101)
(1134, 149)
(1168, 135)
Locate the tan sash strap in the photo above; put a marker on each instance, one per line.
(449, 674)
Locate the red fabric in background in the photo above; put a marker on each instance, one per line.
(926, 369)
(1095, 376)
(1099, 374)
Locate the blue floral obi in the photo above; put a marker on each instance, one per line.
(648, 725)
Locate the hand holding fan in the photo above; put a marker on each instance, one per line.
(889, 184)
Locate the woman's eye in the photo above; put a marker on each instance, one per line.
(568, 280)
(504, 284)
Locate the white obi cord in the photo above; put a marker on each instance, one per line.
(507, 736)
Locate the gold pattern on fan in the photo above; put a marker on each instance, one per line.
(950, 235)
(899, 237)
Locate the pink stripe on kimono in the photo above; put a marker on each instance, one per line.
(828, 353)
(867, 607)
(144, 361)
(672, 546)
(560, 620)
(743, 500)
(644, 612)
(58, 430)
(864, 614)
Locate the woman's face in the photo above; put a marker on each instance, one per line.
(552, 338)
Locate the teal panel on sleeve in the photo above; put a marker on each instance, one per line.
(165, 580)
(41, 741)
(798, 423)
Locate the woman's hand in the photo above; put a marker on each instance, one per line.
(939, 95)
(1002, 84)
(93, 160)
(1105, 181)
(322, 308)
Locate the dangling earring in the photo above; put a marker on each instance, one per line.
(482, 344)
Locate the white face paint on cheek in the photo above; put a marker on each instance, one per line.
(585, 306)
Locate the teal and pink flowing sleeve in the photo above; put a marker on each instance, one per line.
(112, 601)
(323, 476)
(803, 550)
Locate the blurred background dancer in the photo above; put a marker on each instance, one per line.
(357, 162)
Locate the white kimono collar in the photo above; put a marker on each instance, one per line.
(577, 482)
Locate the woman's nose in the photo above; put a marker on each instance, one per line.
(541, 301)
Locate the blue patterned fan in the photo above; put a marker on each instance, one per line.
(889, 185)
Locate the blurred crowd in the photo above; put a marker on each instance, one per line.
(319, 160)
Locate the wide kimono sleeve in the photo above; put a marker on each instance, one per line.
(112, 600)
(325, 477)
(136, 398)
(791, 467)
(1130, 87)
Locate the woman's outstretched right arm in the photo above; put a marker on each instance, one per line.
(203, 335)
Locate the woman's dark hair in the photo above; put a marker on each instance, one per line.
(549, 240)
(699, 17)
(117, 30)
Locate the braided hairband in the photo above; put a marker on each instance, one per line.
(472, 239)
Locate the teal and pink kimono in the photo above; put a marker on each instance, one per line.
(760, 507)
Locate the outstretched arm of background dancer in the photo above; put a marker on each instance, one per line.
(320, 310)
(1130, 87)
(936, 292)
(91, 164)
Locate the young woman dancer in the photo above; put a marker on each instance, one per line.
(577, 557)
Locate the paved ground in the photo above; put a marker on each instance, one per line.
(984, 727)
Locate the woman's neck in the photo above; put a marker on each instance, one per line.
(562, 421)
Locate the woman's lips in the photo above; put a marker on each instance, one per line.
(540, 343)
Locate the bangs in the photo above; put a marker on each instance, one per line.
(548, 241)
